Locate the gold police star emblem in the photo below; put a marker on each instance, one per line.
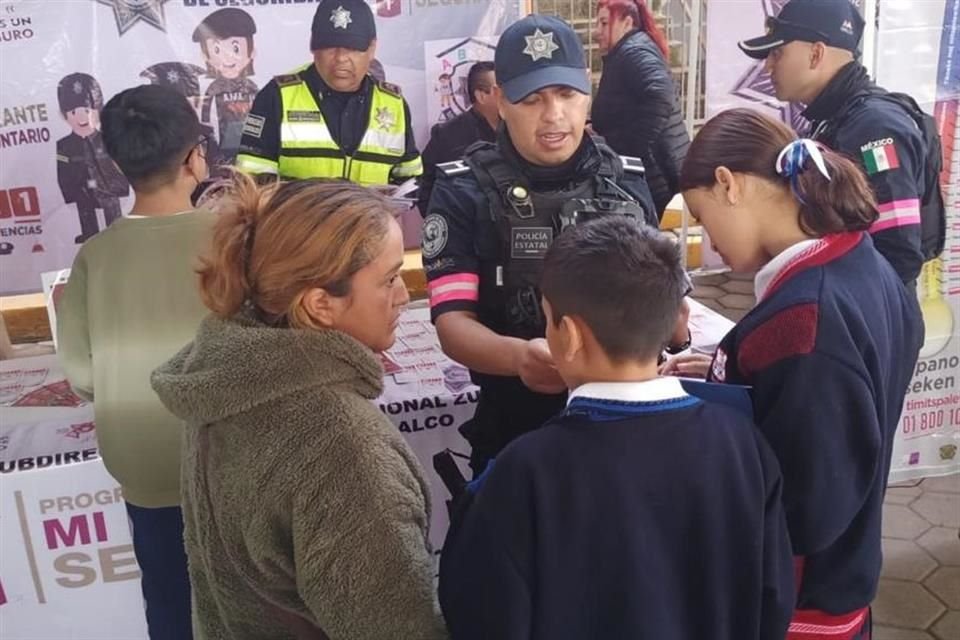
(385, 118)
(540, 45)
(128, 12)
(340, 18)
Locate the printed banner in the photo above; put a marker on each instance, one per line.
(55, 438)
(35, 382)
(929, 435)
(62, 59)
(67, 567)
(428, 397)
(446, 63)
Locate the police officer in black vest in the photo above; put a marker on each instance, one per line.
(493, 215)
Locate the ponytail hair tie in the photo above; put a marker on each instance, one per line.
(792, 162)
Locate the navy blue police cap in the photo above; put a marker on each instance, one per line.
(538, 52)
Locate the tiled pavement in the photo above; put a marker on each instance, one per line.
(919, 597)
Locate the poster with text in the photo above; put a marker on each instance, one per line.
(62, 60)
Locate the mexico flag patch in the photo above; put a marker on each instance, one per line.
(880, 156)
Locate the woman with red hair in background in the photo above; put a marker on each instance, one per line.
(636, 107)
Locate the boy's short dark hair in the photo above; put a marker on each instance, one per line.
(624, 280)
(148, 131)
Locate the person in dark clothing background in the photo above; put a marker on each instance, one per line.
(811, 52)
(448, 140)
(636, 108)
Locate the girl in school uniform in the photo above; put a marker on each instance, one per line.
(828, 350)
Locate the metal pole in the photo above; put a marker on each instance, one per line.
(693, 82)
(870, 16)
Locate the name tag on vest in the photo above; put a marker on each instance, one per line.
(530, 242)
(304, 116)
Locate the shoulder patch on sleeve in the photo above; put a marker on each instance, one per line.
(790, 332)
(390, 88)
(632, 164)
(253, 125)
(434, 237)
(287, 79)
(879, 155)
(455, 168)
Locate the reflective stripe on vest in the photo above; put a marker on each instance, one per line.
(255, 164)
(307, 149)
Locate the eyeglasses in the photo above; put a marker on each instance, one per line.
(773, 23)
(203, 144)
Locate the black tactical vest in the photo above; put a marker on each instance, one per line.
(527, 223)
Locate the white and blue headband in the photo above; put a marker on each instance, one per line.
(793, 159)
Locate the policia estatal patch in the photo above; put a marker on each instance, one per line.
(530, 242)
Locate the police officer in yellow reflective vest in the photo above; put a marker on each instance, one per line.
(331, 119)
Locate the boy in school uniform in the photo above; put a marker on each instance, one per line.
(640, 511)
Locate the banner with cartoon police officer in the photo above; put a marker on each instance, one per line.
(62, 59)
(87, 176)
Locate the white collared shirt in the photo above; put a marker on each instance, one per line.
(769, 272)
(656, 390)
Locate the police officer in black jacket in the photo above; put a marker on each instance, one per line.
(448, 140)
(493, 215)
(810, 50)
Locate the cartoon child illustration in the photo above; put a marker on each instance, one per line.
(445, 88)
(185, 79)
(226, 40)
(86, 174)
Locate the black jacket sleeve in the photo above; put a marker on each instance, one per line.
(650, 84)
(486, 570)
(261, 131)
(431, 158)
(886, 143)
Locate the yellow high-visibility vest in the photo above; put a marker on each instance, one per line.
(307, 150)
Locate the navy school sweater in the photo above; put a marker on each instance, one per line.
(624, 519)
(829, 351)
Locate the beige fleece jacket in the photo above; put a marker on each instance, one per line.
(303, 505)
